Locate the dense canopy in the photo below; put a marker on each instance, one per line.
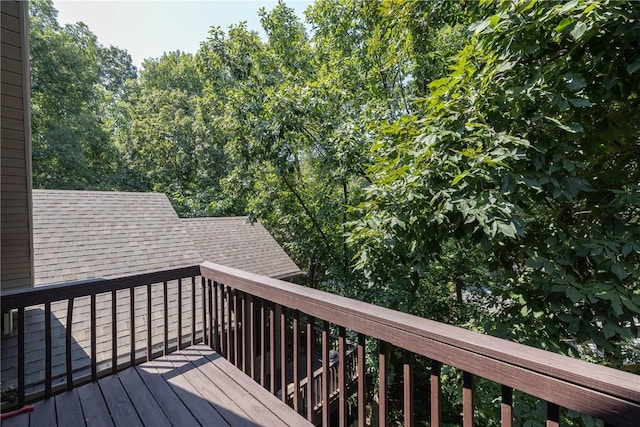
(471, 162)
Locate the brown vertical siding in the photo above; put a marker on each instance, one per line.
(16, 263)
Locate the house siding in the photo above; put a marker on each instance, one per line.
(15, 149)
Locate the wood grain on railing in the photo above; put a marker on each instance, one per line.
(590, 389)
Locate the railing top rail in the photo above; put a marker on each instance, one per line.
(43, 294)
(561, 379)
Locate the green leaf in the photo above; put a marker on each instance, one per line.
(459, 177)
(507, 229)
(574, 82)
(619, 271)
(608, 331)
(578, 30)
(634, 65)
(564, 24)
(580, 102)
(573, 294)
(626, 249)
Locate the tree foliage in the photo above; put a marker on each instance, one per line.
(529, 147)
(74, 79)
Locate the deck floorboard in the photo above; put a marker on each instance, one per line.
(191, 387)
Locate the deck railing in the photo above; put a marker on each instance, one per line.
(72, 333)
(274, 330)
(606, 394)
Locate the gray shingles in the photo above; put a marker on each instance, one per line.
(234, 242)
(85, 234)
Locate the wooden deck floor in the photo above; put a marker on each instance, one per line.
(192, 387)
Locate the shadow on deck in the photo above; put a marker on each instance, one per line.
(191, 387)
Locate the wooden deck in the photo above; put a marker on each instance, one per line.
(191, 387)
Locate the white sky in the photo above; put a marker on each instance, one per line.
(148, 28)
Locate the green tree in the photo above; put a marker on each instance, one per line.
(73, 81)
(529, 147)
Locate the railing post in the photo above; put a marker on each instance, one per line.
(21, 355)
(149, 323)
(506, 410)
(263, 345)
(132, 322)
(179, 338)
(205, 305)
(193, 310)
(467, 399)
(283, 353)
(252, 338)
(342, 377)
(68, 334)
(272, 349)
(114, 332)
(295, 357)
(436, 394)
(243, 332)
(47, 350)
(382, 380)
(408, 388)
(309, 351)
(165, 306)
(553, 415)
(361, 380)
(325, 373)
(236, 354)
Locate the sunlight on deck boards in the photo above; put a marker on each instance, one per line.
(191, 387)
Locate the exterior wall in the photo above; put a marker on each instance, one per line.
(15, 163)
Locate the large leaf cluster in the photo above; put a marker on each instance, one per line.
(528, 146)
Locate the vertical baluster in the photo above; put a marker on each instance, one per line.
(47, 350)
(342, 377)
(149, 324)
(205, 331)
(263, 346)
(361, 380)
(132, 314)
(21, 355)
(236, 355)
(179, 338)
(506, 407)
(94, 363)
(165, 314)
(325, 373)
(295, 357)
(243, 326)
(283, 353)
(553, 415)
(212, 315)
(467, 399)
(436, 394)
(226, 321)
(193, 310)
(408, 388)
(272, 349)
(114, 333)
(68, 336)
(382, 380)
(310, 356)
(252, 339)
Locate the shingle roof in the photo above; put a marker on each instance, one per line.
(81, 235)
(91, 234)
(235, 242)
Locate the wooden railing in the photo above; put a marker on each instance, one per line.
(606, 394)
(78, 332)
(315, 397)
(267, 328)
